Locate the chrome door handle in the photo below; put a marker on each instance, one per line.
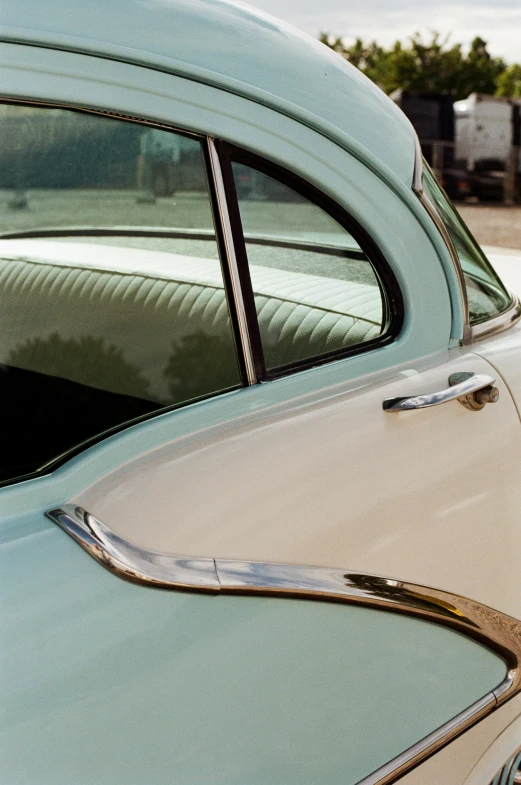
(472, 390)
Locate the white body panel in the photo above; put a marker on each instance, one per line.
(503, 350)
(430, 496)
(483, 129)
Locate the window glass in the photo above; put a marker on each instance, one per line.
(112, 302)
(315, 289)
(486, 294)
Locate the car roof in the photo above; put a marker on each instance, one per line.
(232, 46)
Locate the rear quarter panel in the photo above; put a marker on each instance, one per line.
(108, 682)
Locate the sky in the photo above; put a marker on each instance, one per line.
(496, 21)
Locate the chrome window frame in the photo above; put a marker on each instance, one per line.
(224, 240)
(222, 196)
(496, 630)
(243, 319)
(489, 327)
(218, 199)
(393, 310)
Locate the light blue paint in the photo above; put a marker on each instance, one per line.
(233, 47)
(107, 682)
(411, 247)
(111, 683)
(354, 180)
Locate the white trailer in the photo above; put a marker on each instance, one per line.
(484, 131)
(487, 144)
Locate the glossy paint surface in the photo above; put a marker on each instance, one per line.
(503, 350)
(477, 756)
(461, 522)
(111, 682)
(429, 496)
(108, 682)
(234, 47)
(69, 78)
(393, 216)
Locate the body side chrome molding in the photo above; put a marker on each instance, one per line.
(131, 562)
(496, 630)
(400, 765)
(226, 228)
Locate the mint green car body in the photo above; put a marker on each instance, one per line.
(106, 682)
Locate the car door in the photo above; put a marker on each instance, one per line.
(108, 680)
(331, 477)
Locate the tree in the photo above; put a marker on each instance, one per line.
(482, 70)
(426, 66)
(86, 360)
(509, 82)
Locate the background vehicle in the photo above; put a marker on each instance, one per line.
(487, 135)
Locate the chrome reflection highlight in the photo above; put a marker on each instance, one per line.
(496, 630)
(417, 175)
(402, 763)
(498, 323)
(131, 562)
(467, 387)
(226, 227)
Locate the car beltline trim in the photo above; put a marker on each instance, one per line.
(178, 234)
(499, 632)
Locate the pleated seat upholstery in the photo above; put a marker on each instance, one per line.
(145, 305)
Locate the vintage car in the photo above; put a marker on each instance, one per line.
(255, 365)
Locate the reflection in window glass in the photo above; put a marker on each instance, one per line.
(315, 289)
(116, 308)
(486, 294)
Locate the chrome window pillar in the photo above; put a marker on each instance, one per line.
(231, 261)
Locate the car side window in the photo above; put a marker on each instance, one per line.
(487, 297)
(316, 291)
(112, 300)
